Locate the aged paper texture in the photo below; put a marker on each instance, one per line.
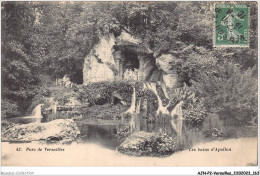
(129, 83)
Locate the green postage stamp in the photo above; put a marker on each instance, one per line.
(231, 25)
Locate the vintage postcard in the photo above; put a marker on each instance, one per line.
(171, 83)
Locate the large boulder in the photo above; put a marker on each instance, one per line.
(164, 61)
(148, 144)
(5, 125)
(56, 131)
(99, 65)
(170, 77)
(95, 71)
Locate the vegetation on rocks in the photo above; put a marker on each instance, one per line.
(148, 144)
(100, 93)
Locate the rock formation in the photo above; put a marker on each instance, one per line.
(99, 65)
(113, 56)
(60, 131)
(148, 144)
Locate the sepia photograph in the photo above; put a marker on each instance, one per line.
(124, 83)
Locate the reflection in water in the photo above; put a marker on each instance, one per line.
(104, 132)
(21, 120)
(159, 125)
(35, 117)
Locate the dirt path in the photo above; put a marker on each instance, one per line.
(243, 152)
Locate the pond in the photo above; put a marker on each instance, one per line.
(99, 132)
(104, 132)
(26, 120)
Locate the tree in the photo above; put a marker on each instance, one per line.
(19, 73)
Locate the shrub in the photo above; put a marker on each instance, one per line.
(230, 92)
(212, 133)
(123, 131)
(9, 109)
(101, 92)
(106, 112)
(190, 65)
(194, 116)
(166, 145)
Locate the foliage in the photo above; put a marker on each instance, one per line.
(152, 104)
(101, 92)
(9, 109)
(166, 145)
(230, 92)
(64, 39)
(193, 60)
(194, 112)
(194, 116)
(5, 125)
(105, 112)
(212, 133)
(44, 41)
(19, 73)
(123, 131)
(149, 144)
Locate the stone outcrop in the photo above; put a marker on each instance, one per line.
(163, 62)
(56, 131)
(5, 125)
(113, 56)
(148, 144)
(99, 65)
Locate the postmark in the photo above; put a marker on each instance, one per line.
(231, 27)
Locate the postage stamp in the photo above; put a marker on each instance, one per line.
(231, 25)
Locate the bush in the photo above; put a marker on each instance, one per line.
(99, 93)
(230, 92)
(194, 117)
(123, 131)
(212, 133)
(149, 144)
(166, 145)
(106, 112)
(9, 109)
(190, 65)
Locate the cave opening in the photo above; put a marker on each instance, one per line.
(126, 60)
(131, 61)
